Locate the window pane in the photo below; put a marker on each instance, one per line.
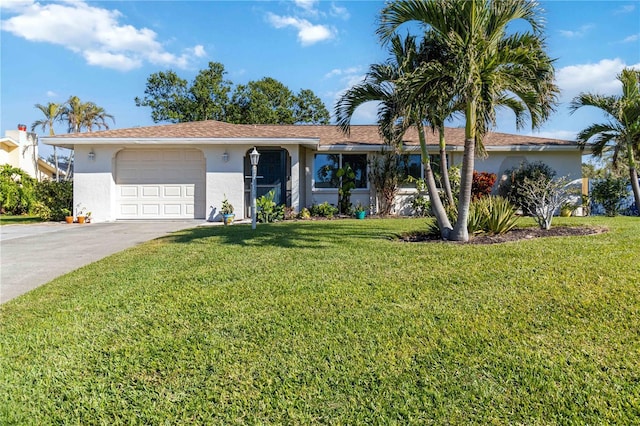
(358, 163)
(410, 165)
(325, 167)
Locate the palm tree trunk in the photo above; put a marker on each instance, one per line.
(444, 167)
(633, 176)
(55, 160)
(436, 204)
(460, 231)
(69, 161)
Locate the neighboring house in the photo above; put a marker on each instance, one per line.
(185, 170)
(19, 148)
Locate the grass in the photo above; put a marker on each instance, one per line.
(333, 322)
(18, 220)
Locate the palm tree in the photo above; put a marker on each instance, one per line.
(94, 115)
(52, 113)
(491, 68)
(79, 115)
(620, 136)
(395, 115)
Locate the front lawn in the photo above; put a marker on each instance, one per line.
(7, 219)
(333, 322)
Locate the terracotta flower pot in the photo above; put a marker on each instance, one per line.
(68, 219)
(81, 219)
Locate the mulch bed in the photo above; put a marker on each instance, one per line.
(513, 235)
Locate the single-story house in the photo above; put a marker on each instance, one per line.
(19, 148)
(185, 170)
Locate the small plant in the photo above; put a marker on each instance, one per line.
(421, 206)
(65, 212)
(304, 213)
(80, 210)
(323, 210)
(347, 183)
(360, 208)
(482, 184)
(227, 207)
(542, 197)
(268, 211)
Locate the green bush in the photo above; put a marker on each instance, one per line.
(267, 210)
(511, 188)
(323, 210)
(57, 197)
(490, 214)
(610, 192)
(421, 206)
(17, 190)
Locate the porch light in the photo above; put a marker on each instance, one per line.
(92, 155)
(254, 157)
(225, 157)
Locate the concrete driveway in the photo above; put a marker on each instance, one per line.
(34, 254)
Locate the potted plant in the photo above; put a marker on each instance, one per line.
(567, 209)
(360, 211)
(227, 211)
(80, 213)
(68, 217)
(88, 217)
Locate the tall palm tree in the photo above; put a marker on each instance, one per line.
(95, 116)
(620, 136)
(395, 115)
(52, 113)
(492, 68)
(82, 115)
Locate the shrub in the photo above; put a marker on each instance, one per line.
(511, 188)
(17, 190)
(542, 197)
(267, 210)
(323, 210)
(385, 176)
(482, 184)
(304, 213)
(610, 192)
(492, 215)
(421, 206)
(57, 197)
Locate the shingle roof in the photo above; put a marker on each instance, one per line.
(326, 134)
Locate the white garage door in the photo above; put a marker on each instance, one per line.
(160, 184)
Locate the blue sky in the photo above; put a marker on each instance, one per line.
(104, 51)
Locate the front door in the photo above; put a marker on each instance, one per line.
(273, 174)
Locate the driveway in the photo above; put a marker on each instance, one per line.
(34, 254)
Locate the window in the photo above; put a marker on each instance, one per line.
(409, 165)
(326, 166)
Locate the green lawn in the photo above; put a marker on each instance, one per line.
(333, 322)
(20, 219)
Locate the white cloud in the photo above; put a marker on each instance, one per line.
(93, 32)
(583, 30)
(308, 6)
(593, 78)
(340, 12)
(624, 9)
(51, 94)
(308, 33)
(631, 38)
(340, 72)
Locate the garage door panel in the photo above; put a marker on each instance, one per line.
(160, 184)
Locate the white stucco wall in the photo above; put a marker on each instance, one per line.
(93, 182)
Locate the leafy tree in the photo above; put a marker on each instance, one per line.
(620, 135)
(17, 190)
(488, 68)
(265, 101)
(167, 95)
(55, 197)
(308, 108)
(209, 97)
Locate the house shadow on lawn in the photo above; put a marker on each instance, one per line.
(289, 234)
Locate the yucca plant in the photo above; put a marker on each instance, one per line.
(501, 215)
